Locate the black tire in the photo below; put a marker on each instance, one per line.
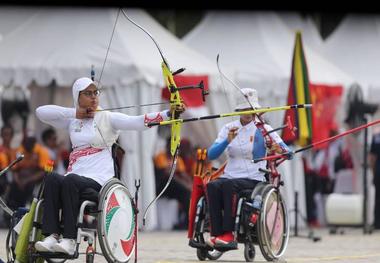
(214, 254)
(55, 260)
(249, 252)
(90, 258)
(201, 254)
(333, 231)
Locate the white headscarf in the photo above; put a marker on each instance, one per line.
(242, 103)
(78, 86)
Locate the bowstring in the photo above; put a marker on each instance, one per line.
(222, 75)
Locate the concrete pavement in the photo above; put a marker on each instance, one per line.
(171, 247)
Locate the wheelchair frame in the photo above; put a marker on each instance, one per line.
(246, 234)
(88, 233)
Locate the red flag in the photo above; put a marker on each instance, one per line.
(326, 100)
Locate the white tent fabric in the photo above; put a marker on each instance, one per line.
(258, 47)
(358, 36)
(304, 24)
(8, 23)
(63, 43)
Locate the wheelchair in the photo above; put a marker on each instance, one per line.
(115, 214)
(267, 227)
(114, 225)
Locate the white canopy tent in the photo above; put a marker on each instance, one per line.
(258, 47)
(310, 35)
(358, 36)
(62, 44)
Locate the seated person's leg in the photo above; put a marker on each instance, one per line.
(50, 217)
(72, 186)
(230, 191)
(215, 205)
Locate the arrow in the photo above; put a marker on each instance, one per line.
(231, 114)
(307, 147)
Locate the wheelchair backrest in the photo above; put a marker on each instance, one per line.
(117, 156)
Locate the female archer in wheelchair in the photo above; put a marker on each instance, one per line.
(92, 133)
(243, 140)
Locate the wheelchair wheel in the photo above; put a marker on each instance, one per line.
(55, 260)
(90, 258)
(249, 252)
(273, 227)
(116, 222)
(201, 254)
(214, 254)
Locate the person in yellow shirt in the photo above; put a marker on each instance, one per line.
(179, 188)
(27, 173)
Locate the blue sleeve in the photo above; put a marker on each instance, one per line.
(284, 146)
(216, 149)
(289, 150)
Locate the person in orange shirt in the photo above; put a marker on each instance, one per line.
(27, 173)
(179, 188)
(7, 154)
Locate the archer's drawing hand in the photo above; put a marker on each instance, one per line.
(85, 113)
(232, 134)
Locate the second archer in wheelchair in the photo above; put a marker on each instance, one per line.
(243, 141)
(92, 134)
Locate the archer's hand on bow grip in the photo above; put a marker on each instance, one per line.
(178, 109)
(289, 155)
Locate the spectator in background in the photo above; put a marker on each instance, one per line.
(311, 185)
(27, 173)
(50, 140)
(7, 154)
(374, 162)
(188, 155)
(179, 188)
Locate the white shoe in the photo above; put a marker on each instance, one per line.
(47, 244)
(66, 245)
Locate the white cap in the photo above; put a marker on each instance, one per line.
(249, 95)
(78, 86)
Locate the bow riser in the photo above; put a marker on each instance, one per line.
(175, 99)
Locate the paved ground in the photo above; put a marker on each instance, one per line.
(171, 247)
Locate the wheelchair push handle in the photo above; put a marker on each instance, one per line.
(19, 158)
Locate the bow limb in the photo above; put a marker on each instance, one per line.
(175, 99)
(171, 175)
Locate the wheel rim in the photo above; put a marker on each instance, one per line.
(117, 237)
(273, 225)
